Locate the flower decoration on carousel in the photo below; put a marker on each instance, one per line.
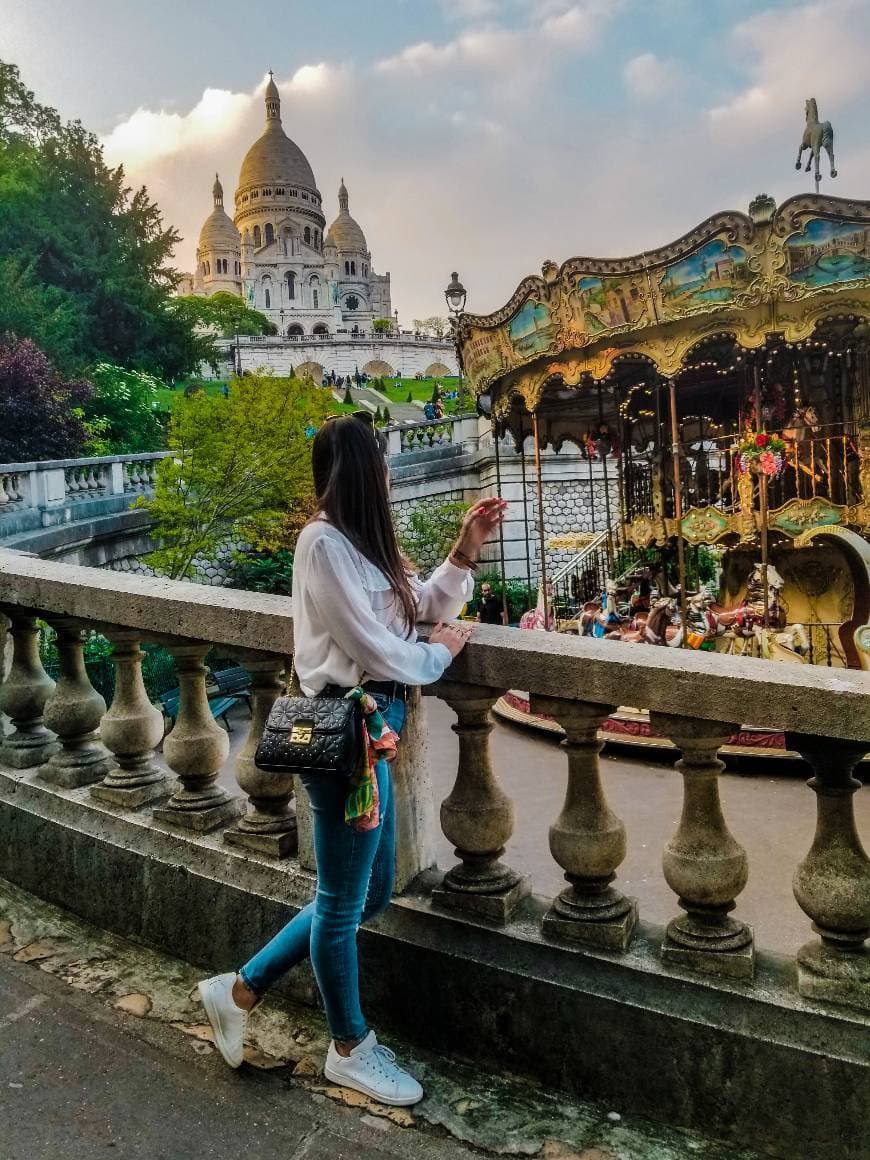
(759, 452)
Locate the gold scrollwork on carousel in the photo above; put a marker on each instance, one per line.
(705, 525)
(644, 531)
(799, 515)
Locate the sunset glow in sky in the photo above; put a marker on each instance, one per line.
(478, 135)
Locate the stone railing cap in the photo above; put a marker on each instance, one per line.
(800, 698)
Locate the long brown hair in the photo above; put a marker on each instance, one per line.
(350, 482)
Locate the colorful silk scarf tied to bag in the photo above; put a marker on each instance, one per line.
(362, 805)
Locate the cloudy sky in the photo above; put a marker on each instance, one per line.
(481, 135)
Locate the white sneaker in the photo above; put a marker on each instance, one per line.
(227, 1019)
(372, 1070)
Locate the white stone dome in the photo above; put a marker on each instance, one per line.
(218, 231)
(345, 233)
(274, 159)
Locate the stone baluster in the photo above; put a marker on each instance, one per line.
(477, 816)
(23, 695)
(93, 482)
(73, 711)
(131, 729)
(270, 826)
(703, 863)
(832, 884)
(195, 749)
(70, 481)
(587, 839)
(4, 495)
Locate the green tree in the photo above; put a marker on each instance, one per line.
(84, 259)
(228, 314)
(379, 418)
(348, 397)
(240, 465)
(435, 325)
(388, 418)
(122, 414)
(432, 531)
(382, 325)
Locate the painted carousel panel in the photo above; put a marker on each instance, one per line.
(827, 252)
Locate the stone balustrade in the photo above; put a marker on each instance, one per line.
(51, 484)
(64, 735)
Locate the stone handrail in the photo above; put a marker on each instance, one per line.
(54, 483)
(64, 734)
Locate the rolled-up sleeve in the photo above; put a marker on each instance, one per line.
(342, 603)
(444, 594)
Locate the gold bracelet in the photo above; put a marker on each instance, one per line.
(468, 561)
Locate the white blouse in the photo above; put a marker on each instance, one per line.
(347, 622)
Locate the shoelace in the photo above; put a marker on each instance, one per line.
(385, 1061)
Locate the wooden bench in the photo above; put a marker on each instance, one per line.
(219, 706)
(233, 682)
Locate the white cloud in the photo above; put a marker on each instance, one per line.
(469, 11)
(648, 76)
(818, 49)
(146, 136)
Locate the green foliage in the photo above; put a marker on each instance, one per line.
(123, 414)
(382, 325)
(435, 325)
(388, 418)
(436, 393)
(519, 597)
(348, 398)
(432, 531)
(84, 259)
(263, 571)
(379, 418)
(225, 313)
(410, 398)
(242, 465)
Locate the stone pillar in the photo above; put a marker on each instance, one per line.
(412, 786)
(23, 696)
(131, 729)
(74, 711)
(477, 816)
(270, 827)
(195, 749)
(832, 884)
(587, 839)
(703, 863)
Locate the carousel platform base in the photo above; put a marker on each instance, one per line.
(631, 727)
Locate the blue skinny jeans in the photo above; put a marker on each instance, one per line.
(355, 874)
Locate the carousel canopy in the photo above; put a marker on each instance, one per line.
(745, 276)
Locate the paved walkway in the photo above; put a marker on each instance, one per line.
(104, 1052)
(371, 400)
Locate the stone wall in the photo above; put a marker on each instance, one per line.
(407, 356)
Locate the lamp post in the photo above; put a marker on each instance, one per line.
(238, 357)
(455, 296)
(396, 317)
(281, 312)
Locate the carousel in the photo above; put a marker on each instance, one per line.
(720, 388)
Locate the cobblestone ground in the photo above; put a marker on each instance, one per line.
(105, 1052)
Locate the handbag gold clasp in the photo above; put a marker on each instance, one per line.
(301, 734)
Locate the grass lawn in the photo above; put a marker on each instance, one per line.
(166, 396)
(397, 390)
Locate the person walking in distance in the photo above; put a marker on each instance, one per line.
(356, 604)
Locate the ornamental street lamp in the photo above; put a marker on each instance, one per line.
(455, 296)
(281, 312)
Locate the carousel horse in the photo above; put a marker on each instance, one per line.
(818, 135)
(740, 620)
(703, 623)
(535, 618)
(658, 628)
(799, 433)
(792, 646)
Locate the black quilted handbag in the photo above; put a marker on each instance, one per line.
(315, 735)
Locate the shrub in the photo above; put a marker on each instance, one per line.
(263, 571)
(348, 397)
(388, 418)
(410, 397)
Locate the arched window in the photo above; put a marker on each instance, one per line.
(291, 284)
(353, 267)
(270, 234)
(347, 269)
(315, 299)
(307, 236)
(268, 298)
(352, 302)
(258, 238)
(295, 331)
(321, 330)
